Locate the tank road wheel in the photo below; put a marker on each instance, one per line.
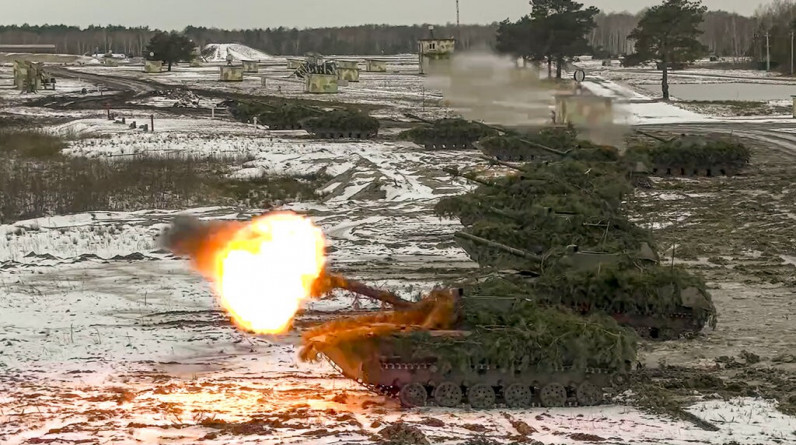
(481, 396)
(448, 394)
(413, 394)
(553, 395)
(588, 394)
(517, 396)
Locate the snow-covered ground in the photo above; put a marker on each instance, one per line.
(106, 339)
(218, 52)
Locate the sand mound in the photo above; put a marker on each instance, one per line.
(217, 52)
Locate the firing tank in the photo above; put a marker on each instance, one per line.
(447, 134)
(343, 124)
(452, 349)
(692, 155)
(563, 225)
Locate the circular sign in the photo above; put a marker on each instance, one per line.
(580, 75)
(151, 54)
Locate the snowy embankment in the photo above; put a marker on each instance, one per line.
(217, 52)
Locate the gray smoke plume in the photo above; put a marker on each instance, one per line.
(486, 87)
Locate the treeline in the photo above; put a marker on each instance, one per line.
(726, 35)
(778, 19)
(366, 39)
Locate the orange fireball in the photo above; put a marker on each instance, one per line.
(266, 270)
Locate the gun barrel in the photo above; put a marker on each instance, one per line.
(518, 252)
(357, 287)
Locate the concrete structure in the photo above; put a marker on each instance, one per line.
(44, 48)
(348, 70)
(231, 74)
(375, 66)
(794, 106)
(110, 61)
(321, 84)
(434, 53)
(584, 110)
(294, 64)
(153, 66)
(250, 66)
(28, 76)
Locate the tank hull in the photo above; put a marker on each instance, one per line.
(419, 379)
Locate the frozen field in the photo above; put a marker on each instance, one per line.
(104, 338)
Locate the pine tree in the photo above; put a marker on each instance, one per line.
(170, 47)
(667, 33)
(555, 30)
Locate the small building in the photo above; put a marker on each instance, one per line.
(294, 64)
(348, 70)
(153, 66)
(584, 110)
(321, 84)
(375, 66)
(250, 66)
(231, 74)
(42, 48)
(433, 52)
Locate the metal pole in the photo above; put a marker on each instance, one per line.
(151, 123)
(791, 53)
(768, 54)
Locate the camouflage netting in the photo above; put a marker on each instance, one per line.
(618, 288)
(286, 116)
(514, 334)
(551, 143)
(526, 221)
(526, 334)
(448, 133)
(543, 207)
(696, 153)
(343, 121)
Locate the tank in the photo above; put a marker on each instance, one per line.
(447, 134)
(544, 144)
(691, 155)
(451, 349)
(343, 124)
(558, 232)
(285, 116)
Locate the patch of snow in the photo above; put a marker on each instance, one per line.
(217, 52)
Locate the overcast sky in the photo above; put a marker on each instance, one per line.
(176, 14)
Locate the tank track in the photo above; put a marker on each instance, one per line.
(494, 395)
(447, 144)
(331, 133)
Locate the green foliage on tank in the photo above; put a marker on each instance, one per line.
(518, 334)
(623, 288)
(543, 210)
(285, 116)
(343, 124)
(696, 153)
(448, 133)
(549, 143)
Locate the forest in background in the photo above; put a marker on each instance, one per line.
(725, 35)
